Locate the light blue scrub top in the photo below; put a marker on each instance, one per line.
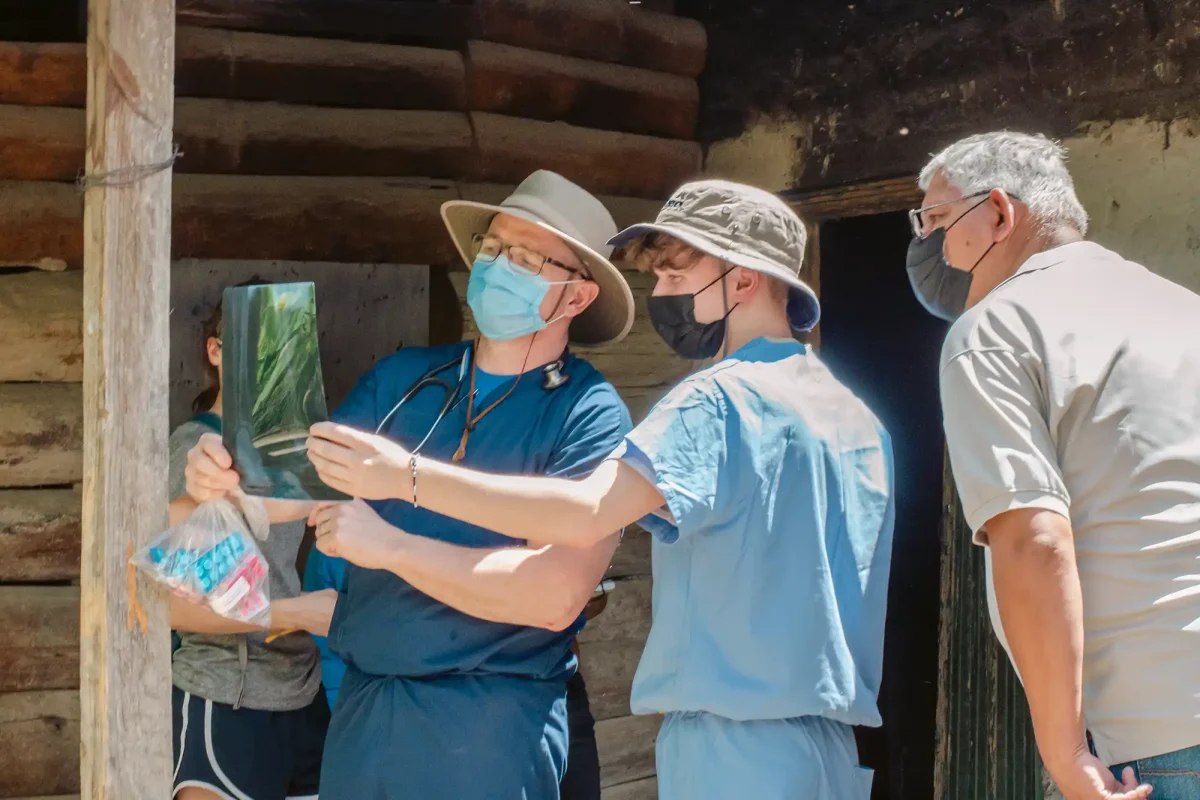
(770, 589)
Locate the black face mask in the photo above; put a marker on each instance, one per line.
(674, 317)
(939, 287)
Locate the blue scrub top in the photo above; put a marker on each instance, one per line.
(770, 588)
(382, 626)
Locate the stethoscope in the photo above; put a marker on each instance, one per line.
(552, 378)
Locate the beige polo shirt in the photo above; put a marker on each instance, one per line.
(1074, 386)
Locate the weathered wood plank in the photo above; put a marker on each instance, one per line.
(611, 646)
(601, 161)
(41, 327)
(856, 200)
(41, 628)
(527, 83)
(39, 736)
(39, 535)
(237, 65)
(644, 789)
(231, 136)
(41, 434)
(125, 662)
(626, 747)
(422, 23)
(36, 73)
(600, 30)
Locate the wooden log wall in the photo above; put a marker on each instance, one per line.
(318, 131)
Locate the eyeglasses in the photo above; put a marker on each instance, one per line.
(920, 222)
(488, 248)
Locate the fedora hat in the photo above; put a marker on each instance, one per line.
(583, 223)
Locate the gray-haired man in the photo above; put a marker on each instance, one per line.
(1071, 392)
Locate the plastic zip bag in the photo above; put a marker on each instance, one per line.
(212, 559)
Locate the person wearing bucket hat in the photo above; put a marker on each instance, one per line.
(460, 668)
(768, 488)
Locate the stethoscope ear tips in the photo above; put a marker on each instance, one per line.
(552, 375)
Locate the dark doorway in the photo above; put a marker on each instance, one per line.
(882, 344)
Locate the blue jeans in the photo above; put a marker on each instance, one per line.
(1174, 776)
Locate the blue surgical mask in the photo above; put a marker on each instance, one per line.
(507, 300)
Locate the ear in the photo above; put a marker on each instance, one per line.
(214, 351)
(584, 295)
(743, 284)
(1006, 213)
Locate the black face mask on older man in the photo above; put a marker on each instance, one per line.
(939, 287)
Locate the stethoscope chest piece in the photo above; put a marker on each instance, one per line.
(552, 375)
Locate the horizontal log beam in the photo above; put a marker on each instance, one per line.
(599, 30)
(236, 137)
(41, 628)
(856, 200)
(527, 83)
(231, 136)
(41, 434)
(41, 143)
(226, 136)
(398, 21)
(39, 535)
(41, 327)
(611, 646)
(53, 74)
(39, 736)
(350, 220)
(237, 65)
(601, 161)
(665, 43)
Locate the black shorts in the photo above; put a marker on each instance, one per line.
(247, 754)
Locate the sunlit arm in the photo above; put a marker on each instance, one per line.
(578, 513)
(543, 587)
(1041, 610)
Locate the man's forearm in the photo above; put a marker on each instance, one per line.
(1041, 609)
(545, 510)
(515, 585)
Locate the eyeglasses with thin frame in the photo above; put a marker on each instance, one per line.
(488, 248)
(916, 216)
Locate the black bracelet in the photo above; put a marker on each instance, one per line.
(412, 464)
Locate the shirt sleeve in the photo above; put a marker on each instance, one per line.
(682, 443)
(1001, 450)
(597, 423)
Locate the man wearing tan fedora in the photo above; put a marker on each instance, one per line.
(458, 659)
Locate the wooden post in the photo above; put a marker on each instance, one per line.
(125, 718)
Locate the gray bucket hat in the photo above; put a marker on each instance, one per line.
(745, 226)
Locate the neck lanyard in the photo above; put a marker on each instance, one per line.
(472, 421)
